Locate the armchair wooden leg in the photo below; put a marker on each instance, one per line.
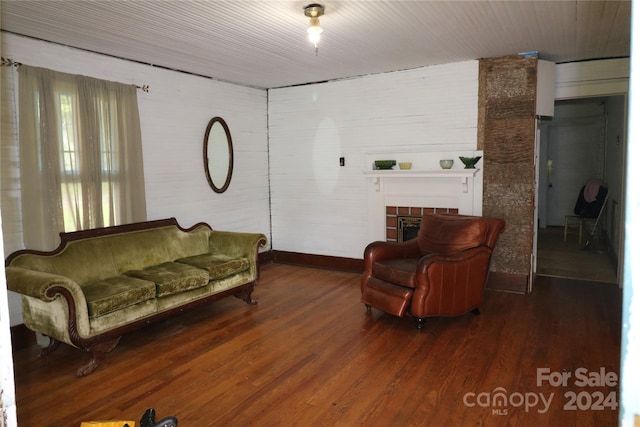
(368, 308)
(420, 322)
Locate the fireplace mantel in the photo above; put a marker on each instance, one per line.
(464, 175)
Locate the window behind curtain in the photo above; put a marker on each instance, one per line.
(80, 155)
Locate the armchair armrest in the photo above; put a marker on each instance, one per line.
(377, 251)
(458, 257)
(450, 284)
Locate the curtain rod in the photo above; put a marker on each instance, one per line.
(8, 62)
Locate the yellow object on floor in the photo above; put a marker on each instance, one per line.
(108, 424)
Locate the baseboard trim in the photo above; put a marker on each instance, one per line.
(351, 265)
(518, 283)
(497, 280)
(265, 257)
(22, 337)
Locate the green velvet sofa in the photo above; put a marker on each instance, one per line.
(99, 284)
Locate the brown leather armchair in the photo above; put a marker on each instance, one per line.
(441, 272)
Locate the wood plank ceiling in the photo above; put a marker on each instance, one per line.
(264, 45)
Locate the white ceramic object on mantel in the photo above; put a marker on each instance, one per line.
(446, 164)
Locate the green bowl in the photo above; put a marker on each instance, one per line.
(384, 164)
(469, 162)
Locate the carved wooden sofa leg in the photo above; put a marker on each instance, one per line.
(50, 348)
(245, 294)
(97, 350)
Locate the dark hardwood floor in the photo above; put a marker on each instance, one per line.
(310, 355)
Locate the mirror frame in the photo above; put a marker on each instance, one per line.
(205, 155)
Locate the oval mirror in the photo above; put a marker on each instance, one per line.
(218, 155)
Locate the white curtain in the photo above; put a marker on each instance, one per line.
(80, 155)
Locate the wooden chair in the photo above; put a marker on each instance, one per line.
(587, 214)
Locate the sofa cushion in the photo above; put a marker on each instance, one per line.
(219, 266)
(115, 293)
(172, 277)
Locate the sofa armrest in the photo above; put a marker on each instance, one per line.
(37, 284)
(58, 305)
(236, 244)
(450, 284)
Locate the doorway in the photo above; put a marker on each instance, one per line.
(583, 141)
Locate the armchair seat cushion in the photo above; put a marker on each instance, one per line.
(217, 265)
(172, 277)
(400, 271)
(115, 293)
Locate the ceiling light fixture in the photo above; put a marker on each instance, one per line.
(314, 11)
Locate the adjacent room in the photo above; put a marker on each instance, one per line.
(582, 144)
(191, 192)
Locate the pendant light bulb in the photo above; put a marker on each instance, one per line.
(314, 31)
(314, 11)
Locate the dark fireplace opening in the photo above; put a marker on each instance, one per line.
(408, 227)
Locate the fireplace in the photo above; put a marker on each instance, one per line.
(408, 227)
(403, 223)
(424, 188)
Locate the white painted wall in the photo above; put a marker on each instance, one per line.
(173, 115)
(319, 207)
